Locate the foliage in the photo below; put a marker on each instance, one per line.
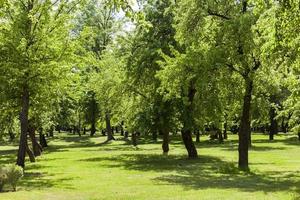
(10, 174)
(13, 174)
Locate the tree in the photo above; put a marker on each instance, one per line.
(34, 51)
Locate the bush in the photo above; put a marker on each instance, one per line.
(3, 178)
(13, 174)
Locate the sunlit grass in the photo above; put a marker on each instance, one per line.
(82, 168)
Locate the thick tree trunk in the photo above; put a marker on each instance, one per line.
(108, 127)
(37, 148)
(189, 144)
(165, 144)
(273, 124)
(245, 129)
(24, 127)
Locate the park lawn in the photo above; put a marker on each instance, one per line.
(74, 168)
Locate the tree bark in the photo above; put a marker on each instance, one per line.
(197, 136)
(43, 140)
(11, 135)
(37, 148)
(30, 153)
(24, 127)
(273, 124)
(154, 136)
(134, 139)
(51, 131)
(189, 144)
(225, 131)
(188, 123)
(245, 129)
(108, 127)
(165, 144)
(220, 136)
(93, 128)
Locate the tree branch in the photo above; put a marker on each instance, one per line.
(213, 13)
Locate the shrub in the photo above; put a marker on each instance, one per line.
(13, 174)
(3, 178)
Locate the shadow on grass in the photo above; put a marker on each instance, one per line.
(8, 156)
(43, 180)
(203, 173)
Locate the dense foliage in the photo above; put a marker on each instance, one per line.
(155, 67)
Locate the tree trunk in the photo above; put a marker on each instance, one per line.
(220, 136)
(51, 131)
(165, 144)
(93, 128)
(30, 153)
(225, 131)
(189, 144)
(198, 136)
(273, 123)
(154, 136)
(11, 135)
(43, 140)
(188, 123)
(299, 136)
(134, 139)
(245, 129)
(108, 127)
(37, 148)
(84, 130)
(24, 127)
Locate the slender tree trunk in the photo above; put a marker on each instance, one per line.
(24, 127)
(220, 136)
(225, 131)
(299, 136)
(108, 127)
(37, 148)
(165, 144)
(188, 118)
(245, 129)
(43, 140)
(84, 130)
(51, 131)
(273, 124)
(11, 135)
(79, 125)
(93, 128)
(197, 136)
(30, 153)
(134, 139)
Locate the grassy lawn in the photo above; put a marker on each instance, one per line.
(74, 168)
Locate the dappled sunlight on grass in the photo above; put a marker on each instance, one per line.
(75, 167)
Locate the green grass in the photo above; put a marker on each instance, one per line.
(74, 168)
